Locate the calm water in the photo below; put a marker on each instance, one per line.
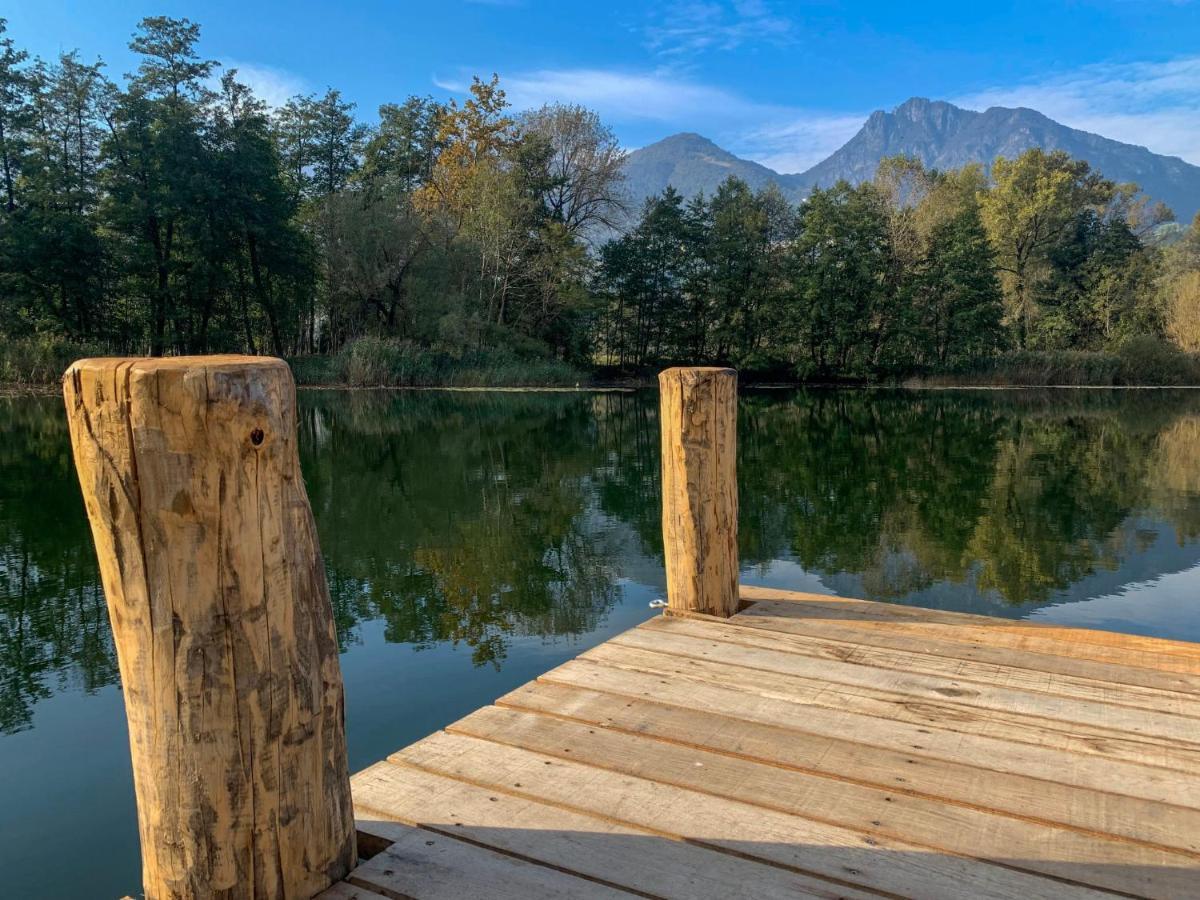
(476, 540)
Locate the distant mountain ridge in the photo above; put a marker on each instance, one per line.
(940, 134)
(690, 163)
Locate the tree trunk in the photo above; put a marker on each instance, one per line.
(260, 289)
(222, 622)
(699, 487)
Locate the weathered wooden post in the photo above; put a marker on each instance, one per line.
(222, 621)
(699, 488)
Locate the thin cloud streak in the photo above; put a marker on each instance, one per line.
(1152, 104)
(787, 139)
(690, 28)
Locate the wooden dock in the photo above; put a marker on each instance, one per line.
(809, 746)
(749, 743)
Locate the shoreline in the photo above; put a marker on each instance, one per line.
(15, 389)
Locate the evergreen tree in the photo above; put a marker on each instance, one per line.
(838, 267)
(960, 306)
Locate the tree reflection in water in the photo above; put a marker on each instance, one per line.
(477, 518)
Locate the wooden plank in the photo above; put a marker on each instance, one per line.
(608, 851)
(345, 891)
(844, 632)
(912, 655)
(921, 736)
(1020, 795)
(427, 865)
(1064, 853)
(942, 713)
(879, 863)
(674, 638)
(1080, 643)
(1068, 633)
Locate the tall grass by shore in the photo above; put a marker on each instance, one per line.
(40, 360)
(366, 362)
(1139, 361)
(379, 362)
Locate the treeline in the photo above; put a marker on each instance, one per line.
(916, 271)
(176, 213)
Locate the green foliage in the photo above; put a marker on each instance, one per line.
(386, 362)
(176, 214)
(1146, 359)
(172, 215)
(917, 273)
(840, 308)
(958, 303)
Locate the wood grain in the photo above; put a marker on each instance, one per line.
(806, 845)
(715, 723)
(389, 798)
(699, 487)
(222, 622)
(1063, 853)
(426, 865)
(703, 756)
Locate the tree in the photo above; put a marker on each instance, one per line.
(738, 250)
(14, 113)
(1183, 311)
(1097, 287)
(644, 277)
(838, 266)
(585, 168)
(369, 241)
(170, 68)
(337, 143)
(320, 144)
(474, 137)
(1032, 202)
(254, 228)
(156, 173)
(959, 303)
(403, 148)
(294, 127)
(55, 232)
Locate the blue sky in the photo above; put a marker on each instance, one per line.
(782, 83)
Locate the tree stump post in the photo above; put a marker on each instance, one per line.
(699, 489)
(222, 621)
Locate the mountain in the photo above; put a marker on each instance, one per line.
(940, 134)
(690, 163)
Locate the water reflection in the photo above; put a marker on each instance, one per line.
(1018, 494)
(465, 518)
(53, 622)
(479, 519)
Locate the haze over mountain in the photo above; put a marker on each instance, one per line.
(940, 134)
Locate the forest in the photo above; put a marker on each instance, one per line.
(171, 211)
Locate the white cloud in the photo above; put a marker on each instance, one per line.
(271, 85)
(1153, 104)
(688, 28)
(786, 138)
(800, 143)
(1156, 105)
(657, 96)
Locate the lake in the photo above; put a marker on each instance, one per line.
(475, 540)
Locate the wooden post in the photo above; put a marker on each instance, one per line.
(222, 622)
(699, 488)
